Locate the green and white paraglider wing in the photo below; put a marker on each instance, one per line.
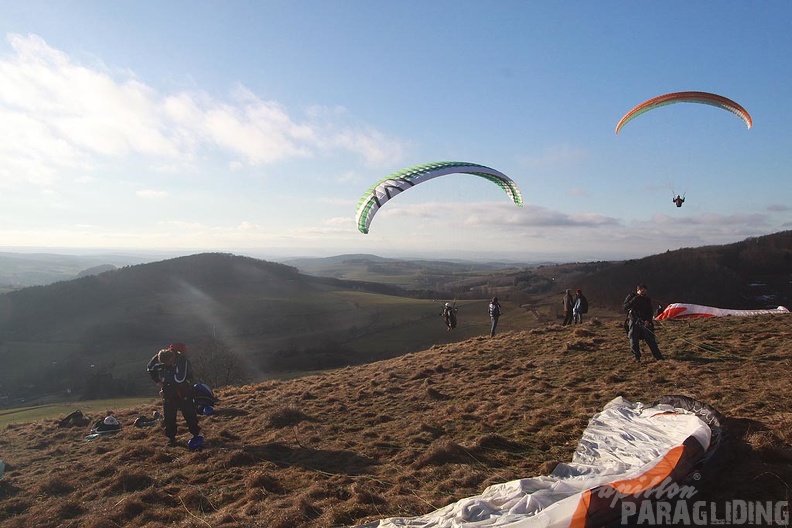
(398, 182)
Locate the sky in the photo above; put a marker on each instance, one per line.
(255, 127)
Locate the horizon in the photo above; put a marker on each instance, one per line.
(281, 254)
(228, 133)
(285, 253)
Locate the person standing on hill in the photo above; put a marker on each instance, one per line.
(640, 323)
(449, 316)
(569, 303)
(171, 371)
(581, 306)
(494, 313)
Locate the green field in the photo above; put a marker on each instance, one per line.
(56, 411)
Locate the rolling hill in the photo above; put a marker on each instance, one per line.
(407, 435)
(754, 273)
(92, 334)
(102, 329)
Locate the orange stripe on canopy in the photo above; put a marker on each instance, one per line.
(659, 472)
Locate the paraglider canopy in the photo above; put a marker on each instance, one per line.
(385, 189)
(686, 97)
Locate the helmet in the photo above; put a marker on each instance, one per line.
(448, 305)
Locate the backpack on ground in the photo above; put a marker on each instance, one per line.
(204, 399)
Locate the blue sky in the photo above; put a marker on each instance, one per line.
(255, 127)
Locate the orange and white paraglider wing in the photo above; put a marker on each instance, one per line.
(687, 97)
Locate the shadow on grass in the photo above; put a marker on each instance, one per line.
(330, 461)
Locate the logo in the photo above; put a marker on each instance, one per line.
(702, 513)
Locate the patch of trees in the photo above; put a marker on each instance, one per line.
(712, 275)
(215, 363)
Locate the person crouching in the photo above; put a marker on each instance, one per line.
(171, 371)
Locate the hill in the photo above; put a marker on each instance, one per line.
(91, 336)
(269, 319)
(404, 436)
(443, 275)
(754, 273)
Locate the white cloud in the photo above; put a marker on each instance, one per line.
(497, 215)
(60, 114)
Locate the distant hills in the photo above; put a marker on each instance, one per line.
(19, 270)
(754, 273)
(102, 329)
(94, 334)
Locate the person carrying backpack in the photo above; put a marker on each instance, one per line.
(640, 322)
(171, 371)
(449, 316)
(581, 306)
(494, 313)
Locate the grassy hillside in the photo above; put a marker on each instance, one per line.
(99, 331)
(93, 334)
(410, 434)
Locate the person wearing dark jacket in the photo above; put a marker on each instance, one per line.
(171, 371)
(640, 322)
(494, 311)
(449, 316)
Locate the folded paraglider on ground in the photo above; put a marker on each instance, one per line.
(629, 452)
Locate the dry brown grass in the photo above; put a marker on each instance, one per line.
(405, 436)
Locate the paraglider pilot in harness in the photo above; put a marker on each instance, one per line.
(678, 201)
(640, 324)
(449, 316)
(171, 371)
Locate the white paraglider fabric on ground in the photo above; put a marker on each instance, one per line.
(694, 311)
(624, 442)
